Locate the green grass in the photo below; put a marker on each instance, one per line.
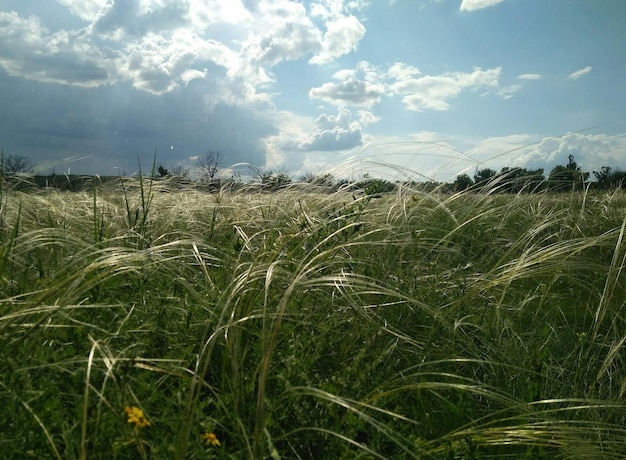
(304, 325)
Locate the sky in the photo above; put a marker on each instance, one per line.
(420, 89)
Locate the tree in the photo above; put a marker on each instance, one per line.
(163, 171)
(174, 171)
(607, 178)
(514, 180)
(326, 179)
(566, 177)
(15, 164)
(275, 182)
(618, 179)
(482, 176)
(208, 166)
(603, 176)
(462, 182)
(375, 186)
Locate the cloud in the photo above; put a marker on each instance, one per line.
(341, 37)
(530, 76)
(579, 73)
(402, 71)
(114, 125)
(290, 35)
(473, 5)
(330, 9)
(160, 46)
(365, 85)
(591, 151)
(367, 118)
(28, 49)
(433, 92)
(138, 17)
(351, 92)
(333, 132)
(87, 10)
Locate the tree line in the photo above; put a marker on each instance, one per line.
(206, 176)
(561, 178)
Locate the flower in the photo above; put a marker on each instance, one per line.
(210, 439)
(136, 416)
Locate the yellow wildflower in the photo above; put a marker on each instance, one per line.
(136, 416)
(211, 440)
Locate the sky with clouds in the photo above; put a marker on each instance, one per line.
(424, 88)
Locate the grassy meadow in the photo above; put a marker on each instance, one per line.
(137, 322)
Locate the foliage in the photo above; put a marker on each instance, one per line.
(567, 177)
(462, 182)
(607, 178)
(375, 186)
(482, 176)
(269, 180)
(140, 324)
(326, 180)
(515, 180)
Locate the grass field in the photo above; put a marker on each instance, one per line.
(140, 323)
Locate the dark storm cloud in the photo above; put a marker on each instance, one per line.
(115, 126)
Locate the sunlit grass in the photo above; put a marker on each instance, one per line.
(301, 324)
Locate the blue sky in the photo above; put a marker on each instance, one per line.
(428, 88)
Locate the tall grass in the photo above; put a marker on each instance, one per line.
(305, 325)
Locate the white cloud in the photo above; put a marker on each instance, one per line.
(579, 73)
(341, 37)
(87, 10)
(328, 9)
(333, 132)
(402, 71)
(289, 35)
(29, 50)
(204, 13)
(473, 5)
(590, 151)
(365, 85)
(530, 76)
(161, 45)
(351, 92)
(433, 92)
(367, 118)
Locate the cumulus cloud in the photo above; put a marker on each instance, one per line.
(333, 132)
(28, 49)
(591, 151)
(341, 37)
(433, 92)
(138, 17)
(367, 118)
(291, 35)
(473, 5)
(160, 46)
(579, 73)
(365, 85)
(351, 91)
(87, 10)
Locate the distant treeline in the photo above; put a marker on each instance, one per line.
(72, 182)
(562, 178)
